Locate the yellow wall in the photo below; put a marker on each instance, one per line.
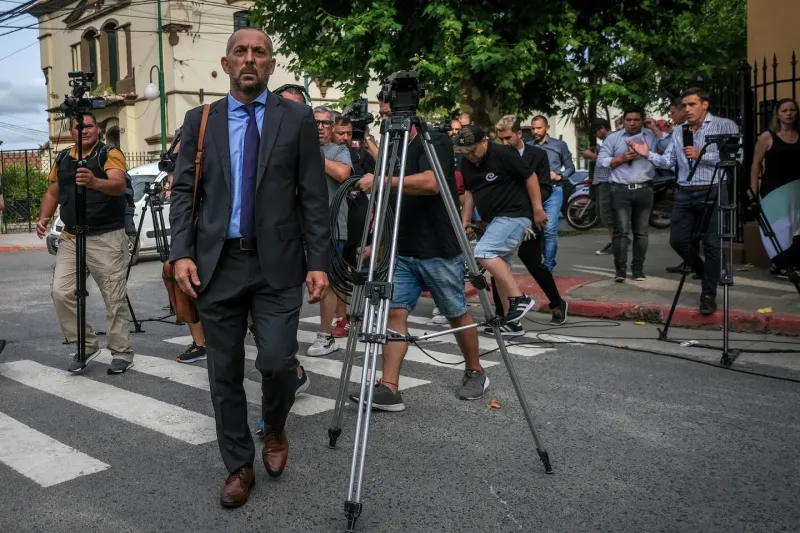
(772, 30)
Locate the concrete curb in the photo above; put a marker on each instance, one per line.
(685, 317)
(21, 248)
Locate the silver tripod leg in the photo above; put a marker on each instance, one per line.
(377, 299)
(357, 310)
(479, 282)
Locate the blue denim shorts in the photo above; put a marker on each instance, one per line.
(444, 278)
(502, 238)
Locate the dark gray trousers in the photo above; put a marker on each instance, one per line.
(631, 209)
(239, 287)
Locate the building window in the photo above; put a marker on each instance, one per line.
(89, 55)
(241, 19)
(76, 57)
(112, 55)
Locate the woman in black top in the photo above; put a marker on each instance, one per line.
(779, 150)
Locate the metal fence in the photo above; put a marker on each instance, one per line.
(24, 180)
(748, 97)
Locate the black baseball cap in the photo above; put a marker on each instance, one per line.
(465, 140)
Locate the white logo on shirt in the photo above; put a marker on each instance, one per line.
(491, 176)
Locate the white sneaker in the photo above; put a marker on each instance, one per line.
(323, 345)
(438, 318)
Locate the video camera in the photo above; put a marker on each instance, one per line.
(359, 117)
(728, 145)
(76, 103)
(168, 158)
(442, 128)
(403, 92)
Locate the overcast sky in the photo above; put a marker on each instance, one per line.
(23, 94)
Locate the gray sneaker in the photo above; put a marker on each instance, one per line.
(384, 399)
(473, 385)
(118, 366)
(76, 366)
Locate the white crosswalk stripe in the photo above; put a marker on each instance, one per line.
(197, 377)
(48, 462)
(40, 458)
(171, 420)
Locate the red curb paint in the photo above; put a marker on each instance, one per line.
(19, 248)
(685, 317)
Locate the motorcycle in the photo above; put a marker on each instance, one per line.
(580, 209)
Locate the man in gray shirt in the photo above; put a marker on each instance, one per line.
(338, 168)
(631, 180)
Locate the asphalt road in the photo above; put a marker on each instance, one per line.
(639, 442)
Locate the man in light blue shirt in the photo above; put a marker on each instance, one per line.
(561, 168)
(238, 119)
(631, 178)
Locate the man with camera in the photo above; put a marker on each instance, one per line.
(428, 257)
(104, 175)
(691, 195)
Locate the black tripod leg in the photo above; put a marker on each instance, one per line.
(662, 333)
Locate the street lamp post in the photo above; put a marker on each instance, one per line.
(150, 91)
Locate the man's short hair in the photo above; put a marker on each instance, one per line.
(270, 46)
(73, 120)
(696, 91)
(324, 109)
(676, 102)
(341, 120)
(540, 117)
(508, 123)
(633, 108)
(599, 124)
(383, 96)
(291, 88)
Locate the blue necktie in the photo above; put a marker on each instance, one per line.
(252, 139)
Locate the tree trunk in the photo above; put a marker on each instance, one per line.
(479, 104)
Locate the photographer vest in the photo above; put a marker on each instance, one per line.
(104, 212)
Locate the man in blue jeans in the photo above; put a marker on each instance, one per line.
(428, 257)
(561, 168)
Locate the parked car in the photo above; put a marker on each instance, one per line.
(141, 177)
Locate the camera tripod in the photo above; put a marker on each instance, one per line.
(81, 229)
(371, 298)
(153, 200)
(726, 222)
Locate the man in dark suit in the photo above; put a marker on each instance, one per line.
(262, 229)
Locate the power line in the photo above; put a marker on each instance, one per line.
(20, 50)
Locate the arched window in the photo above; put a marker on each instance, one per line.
(112, 55)
(89, 54)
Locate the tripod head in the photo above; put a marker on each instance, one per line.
(403, 92)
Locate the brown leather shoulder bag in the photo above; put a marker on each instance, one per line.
(182, 304)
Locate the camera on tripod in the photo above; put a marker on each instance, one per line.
(153, 189)
(76, 103)
(359, 116)
(168, 158)
(403, 92)
(728, 145)
(442, 128)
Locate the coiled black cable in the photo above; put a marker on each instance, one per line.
(342, 274)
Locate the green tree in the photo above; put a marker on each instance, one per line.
(487, 58)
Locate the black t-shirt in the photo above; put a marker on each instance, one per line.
(498, 183)
(537, 161)
(425, 229)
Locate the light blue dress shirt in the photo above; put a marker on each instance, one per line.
(640, 170)
(238, 119)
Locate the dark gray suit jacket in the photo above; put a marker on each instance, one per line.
(291, 202)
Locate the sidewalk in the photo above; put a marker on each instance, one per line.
(759, 302)
(17, 242)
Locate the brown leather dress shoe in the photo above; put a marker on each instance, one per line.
(237, 487)
(276, 451)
